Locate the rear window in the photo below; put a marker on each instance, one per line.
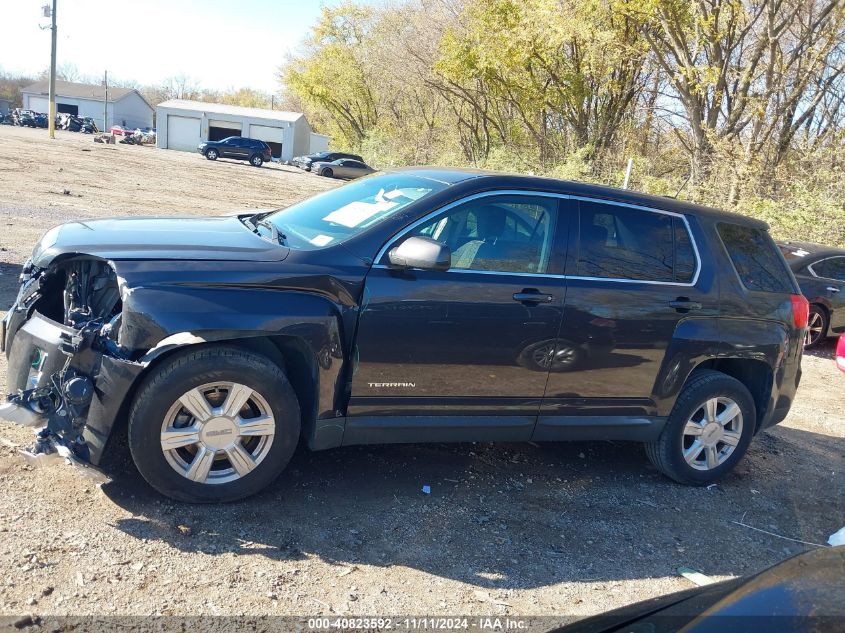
(619, 242)
(756, 258)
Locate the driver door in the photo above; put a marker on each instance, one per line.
(463, 354)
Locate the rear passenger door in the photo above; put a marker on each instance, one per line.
(633, 276)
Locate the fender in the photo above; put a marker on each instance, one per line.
(757, 352)
(159, 320)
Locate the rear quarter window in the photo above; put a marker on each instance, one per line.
(755, 257)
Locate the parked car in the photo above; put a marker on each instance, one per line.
(820, 271)
(26, 118)
(119, 130)
(304, 162)
(408, 306)
(802, 593)
(840, 353)
(255, 151)
(342, 168)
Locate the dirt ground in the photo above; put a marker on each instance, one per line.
(566, 529)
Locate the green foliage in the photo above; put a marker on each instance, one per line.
(731, 103)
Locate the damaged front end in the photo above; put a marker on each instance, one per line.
(67, 372)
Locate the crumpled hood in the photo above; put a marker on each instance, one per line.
(213, 238)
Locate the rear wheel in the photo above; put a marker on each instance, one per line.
(708, 431)
(816, 327)
(256, 160)
(213, 424)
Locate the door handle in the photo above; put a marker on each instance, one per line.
(832, 289)
(532, 296)
(682, 304)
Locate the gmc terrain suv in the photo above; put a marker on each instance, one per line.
(422, 305)
(255, 151)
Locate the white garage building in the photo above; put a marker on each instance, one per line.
(126, 106)
(183, 125)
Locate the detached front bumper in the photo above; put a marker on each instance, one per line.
(66, 381)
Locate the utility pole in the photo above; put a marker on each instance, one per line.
(272, 102)
(52, 115)
(106, 101)
(628, 173)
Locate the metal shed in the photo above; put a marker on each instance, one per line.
(125, 106)
(182, 125)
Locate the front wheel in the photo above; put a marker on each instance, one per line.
(328, 173)
(708, 431)
(211, 154)
(213, 424)
(256, 160)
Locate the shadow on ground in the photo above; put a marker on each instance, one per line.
(512, 515)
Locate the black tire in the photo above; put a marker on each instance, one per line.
(211, 154)
(667, 452)
(817, 315)
(256, 160)
(192, 368)
(328, 173)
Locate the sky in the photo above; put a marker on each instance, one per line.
(219, 43)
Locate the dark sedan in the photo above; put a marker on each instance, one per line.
(305, 162)
(803, 593)
(820, 271)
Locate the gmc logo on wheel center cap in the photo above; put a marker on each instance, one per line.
(219, 433)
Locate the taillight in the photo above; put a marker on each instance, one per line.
(800, 310)
(840, 353)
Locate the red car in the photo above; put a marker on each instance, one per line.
(840, 353)
(119, 130)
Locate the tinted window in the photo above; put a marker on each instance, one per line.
(833, 268)
(756, 258)
(684, 253)
(499, 233)
(623, 243)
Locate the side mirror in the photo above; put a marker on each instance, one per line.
(421, 252)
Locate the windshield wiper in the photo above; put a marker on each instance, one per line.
(278, 236)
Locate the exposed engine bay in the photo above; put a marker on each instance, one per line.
(65, 321)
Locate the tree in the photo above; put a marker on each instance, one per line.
(333, 75)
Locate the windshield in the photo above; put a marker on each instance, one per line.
(337, 215)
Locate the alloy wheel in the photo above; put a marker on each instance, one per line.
(217, 432)
(815, 325)
(712, 433)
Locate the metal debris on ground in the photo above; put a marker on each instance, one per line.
(695, 576)
(426, 490)
(837, 538)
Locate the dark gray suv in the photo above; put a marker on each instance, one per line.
(420, 305)
(249, 149)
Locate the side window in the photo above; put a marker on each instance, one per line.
(834, 268)
(757, 260)
(507, 233)
(684, 253)
(619, 242)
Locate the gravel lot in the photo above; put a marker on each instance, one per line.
(567, 529)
